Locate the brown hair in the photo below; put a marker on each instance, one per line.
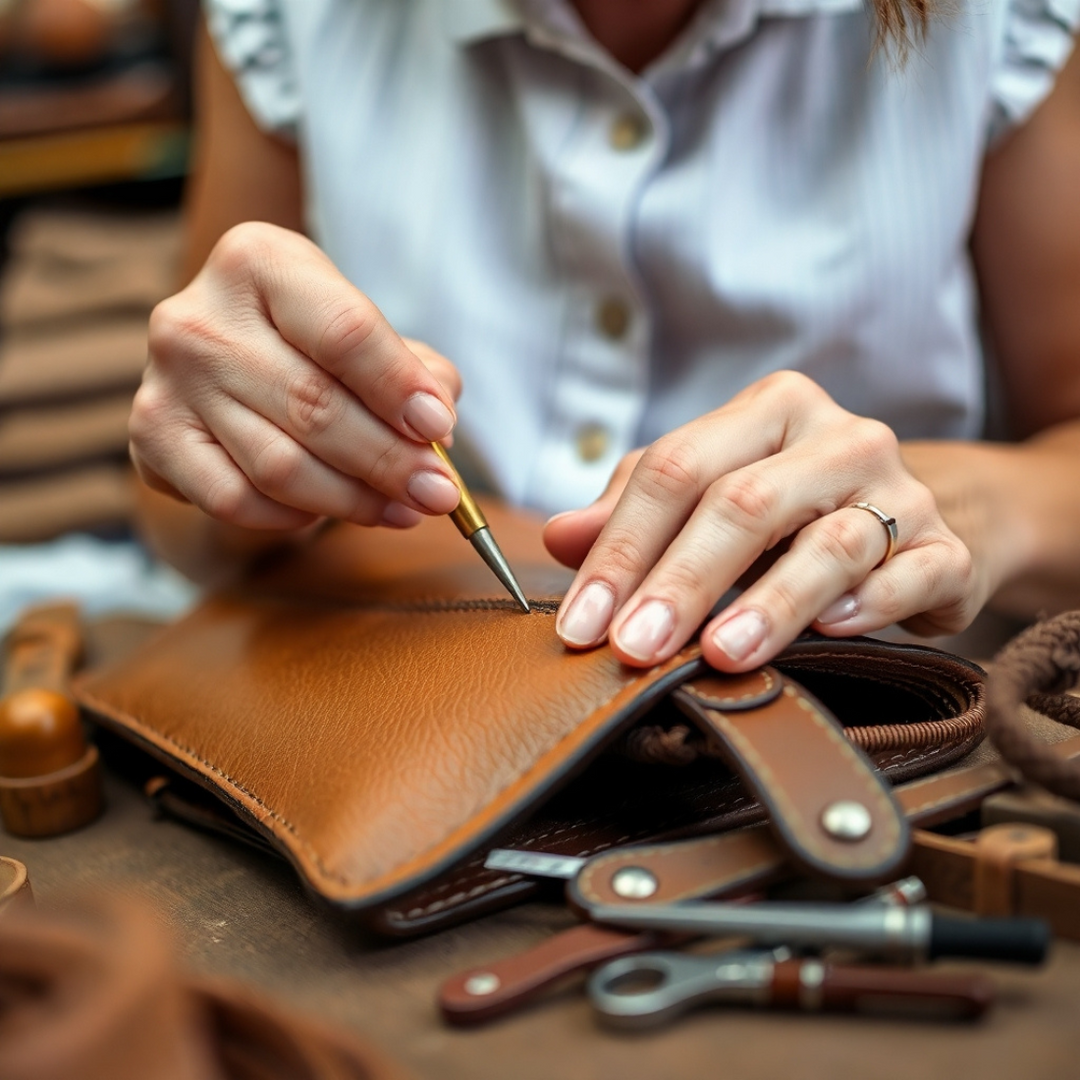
(902, 22)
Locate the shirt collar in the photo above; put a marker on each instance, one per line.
(468, 21)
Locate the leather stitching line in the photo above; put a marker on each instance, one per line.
(532, 841)
(709, 701)
(317, 859)
(793, 817)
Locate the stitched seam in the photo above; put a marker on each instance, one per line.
(792, 816)
(716, 702)
(532, 841)
(317, 859)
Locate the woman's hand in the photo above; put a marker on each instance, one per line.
(276, 393)
(685, 519)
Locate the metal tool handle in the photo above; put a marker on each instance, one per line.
(651, 988)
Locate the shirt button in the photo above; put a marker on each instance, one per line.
(592, 442)
(613, 318)
(628, 132)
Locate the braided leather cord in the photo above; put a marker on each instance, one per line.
(1037, 668)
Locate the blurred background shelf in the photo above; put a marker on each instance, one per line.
(142, 150)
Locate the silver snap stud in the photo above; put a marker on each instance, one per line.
(482, 984)
(846, 820)
(634, 883)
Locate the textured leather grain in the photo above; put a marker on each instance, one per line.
(379, 712)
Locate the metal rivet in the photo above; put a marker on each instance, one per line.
(482, 984)
(846, 820)
(634, 883)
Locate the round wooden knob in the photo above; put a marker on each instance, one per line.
(40, 732)
(50, 780)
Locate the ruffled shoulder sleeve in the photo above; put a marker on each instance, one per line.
(1038, 37)
(251, 39)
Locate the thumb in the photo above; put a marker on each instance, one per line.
(569, 536)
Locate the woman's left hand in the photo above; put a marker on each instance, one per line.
(686, 518)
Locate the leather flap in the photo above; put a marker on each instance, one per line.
(376, 708)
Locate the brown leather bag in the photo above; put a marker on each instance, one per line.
(373, 708)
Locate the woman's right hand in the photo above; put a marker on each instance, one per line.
(276, 393)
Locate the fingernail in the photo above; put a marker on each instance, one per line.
(557, 517)
(587, 618)
(740, 635)
(399, 516)
(646, 632)
(428, 417)
(840, 610)
(434, 492)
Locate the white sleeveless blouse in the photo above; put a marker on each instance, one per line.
(605, 256)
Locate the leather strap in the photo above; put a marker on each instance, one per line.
(826, 802)
(483, 993)
(733, 863)
(738, 863)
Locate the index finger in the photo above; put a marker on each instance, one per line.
(323, 315)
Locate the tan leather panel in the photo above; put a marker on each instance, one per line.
(376, 719)
(379, 709)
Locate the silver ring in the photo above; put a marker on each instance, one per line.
(890, 528)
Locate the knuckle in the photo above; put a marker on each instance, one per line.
(149, 408)
(313, 403)
(792, 387)
(889, 599)
(870, 439)
(276, 466)
(669, 467)
(781, 599)
(844, 541)
(182, 334)
(743, 498)
(618, 558)
(383, 471)
(239, 248)
(226, 498)
(346, 331)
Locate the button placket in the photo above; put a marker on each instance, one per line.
(598, 393)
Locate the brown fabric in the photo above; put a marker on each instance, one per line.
(67, 264)
(82, 497)
(94, 993)
(75, 298)
(378, 712)
(1038, 666)
(46, 436)
(98, 356)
